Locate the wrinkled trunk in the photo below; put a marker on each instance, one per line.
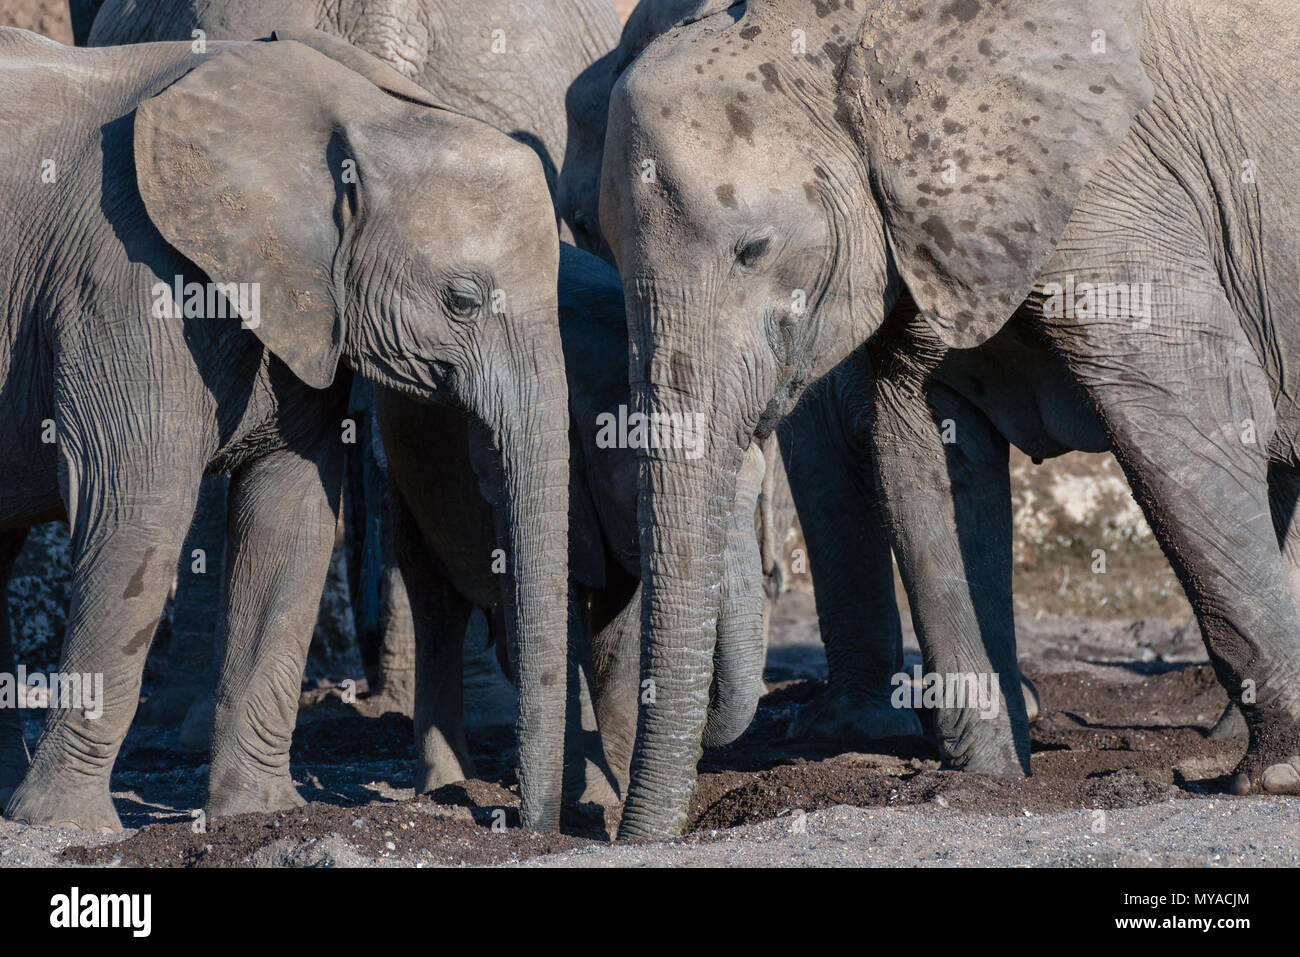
(535, 466)
(684, 510)
(739, 655)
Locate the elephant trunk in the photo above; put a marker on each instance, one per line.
(738, 657)
(535, 465)
(686, 497)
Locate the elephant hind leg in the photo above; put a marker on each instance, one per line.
(439, 617)
(13, 750)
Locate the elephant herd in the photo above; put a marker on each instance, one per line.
(575, 284)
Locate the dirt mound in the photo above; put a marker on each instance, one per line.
(1134, 735)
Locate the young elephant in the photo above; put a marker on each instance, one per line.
(970, 163)
(443, 515)
(533, 70)
(346, 216)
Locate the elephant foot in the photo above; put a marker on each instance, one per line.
(386, 701)
(68, 800)
(440, 764)
(394, 691)
(1231, 724)
(1272, 762)
(235, 791)
(196, 729)
(171, 702)
(1033, 703)
(854, 722)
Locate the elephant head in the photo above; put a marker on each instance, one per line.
(412, 245)
(577, 193)
(777, 176)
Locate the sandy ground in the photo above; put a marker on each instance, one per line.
(1123, 775)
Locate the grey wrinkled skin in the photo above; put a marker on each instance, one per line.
(445, 529)
(828, 444)
(1115, 166)
(160, 155)
(532, 84)
(542, 87)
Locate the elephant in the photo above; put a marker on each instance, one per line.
(528, 69)
(444, 529)
(333, 214)
(934, 176)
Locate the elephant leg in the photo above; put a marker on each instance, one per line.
(1195, 453)
(616, 673)
(127, 533)
(13, 749)
(587, 776)
(826, 447)
(1283, 496)
(439, 616)
(945, 485)
(190, 673)
(363, 523)
(283, 512)
(395, 685)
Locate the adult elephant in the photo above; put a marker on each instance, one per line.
(966, 164)
(445, 532)
(533, 70)
(355, 177)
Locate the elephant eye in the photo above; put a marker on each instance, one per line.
(462, 298)
(750, 251)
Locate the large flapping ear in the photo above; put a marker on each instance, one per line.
(982, 121)
(653, 19)
(371, 67)
(240, 165)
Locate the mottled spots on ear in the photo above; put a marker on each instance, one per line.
(748, 33)
(974, 209)
(742, 125)
(810, 192)
(963, 11)
(726, 194)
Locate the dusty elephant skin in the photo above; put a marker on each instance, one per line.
(358, 180)
(962, 161)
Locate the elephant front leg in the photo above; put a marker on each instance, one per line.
(945, 485)
(283, 512)
(1195, 452)
(13, 749)
(125, 543)
(827, 456)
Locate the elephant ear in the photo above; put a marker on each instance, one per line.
(371, 67)
(239, 164)
(982, 122)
